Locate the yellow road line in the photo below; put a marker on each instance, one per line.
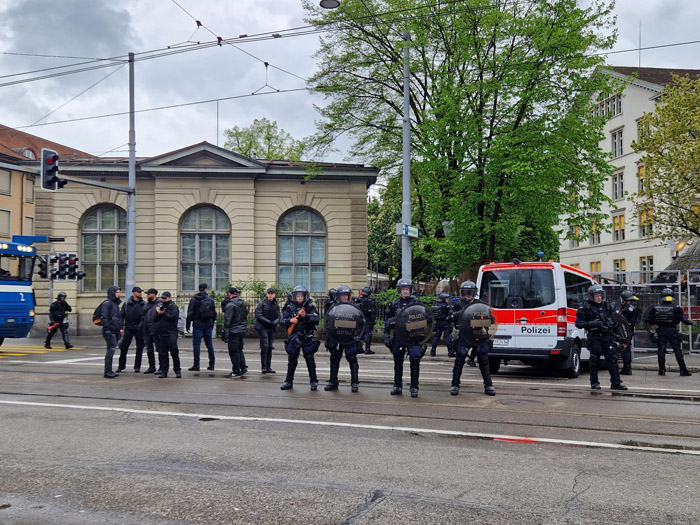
(12, 355)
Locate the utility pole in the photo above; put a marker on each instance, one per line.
(131, 207)
(406, 254)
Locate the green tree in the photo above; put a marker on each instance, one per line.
(669, 139)
(503, 141)
(263, 139)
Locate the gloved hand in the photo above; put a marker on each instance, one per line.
(276, 322)
(595, 324)
(224, 337)
(387, 340)
(687, 322)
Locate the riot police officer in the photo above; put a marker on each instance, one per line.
(415, 352)
(630, 311)
(58, 313)
(596, 316)
(300, 317)
(441, 310)
(330, 302)
(344, 295)
(369, 310)
(666, 317)
(465, 343)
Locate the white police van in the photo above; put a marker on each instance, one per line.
(535, 304)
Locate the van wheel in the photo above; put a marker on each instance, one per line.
(494, 364)
(575, 369)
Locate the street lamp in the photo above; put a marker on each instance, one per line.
(330, 4)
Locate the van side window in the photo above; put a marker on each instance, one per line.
(576, 289)
(495, 286)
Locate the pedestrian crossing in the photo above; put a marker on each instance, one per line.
(10, 350)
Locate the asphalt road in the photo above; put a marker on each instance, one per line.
(77, 448)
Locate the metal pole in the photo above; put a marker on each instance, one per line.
(406, 254)
(131, 209)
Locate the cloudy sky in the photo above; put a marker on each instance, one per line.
(101, 28)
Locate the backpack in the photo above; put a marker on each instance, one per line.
(97, 315)
(207, 310)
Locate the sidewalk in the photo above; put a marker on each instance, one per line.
(644, 359)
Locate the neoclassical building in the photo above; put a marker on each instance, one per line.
(206, 214)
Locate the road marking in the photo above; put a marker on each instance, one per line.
(70, 361)
(452, 433)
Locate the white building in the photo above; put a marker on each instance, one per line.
(626, 253)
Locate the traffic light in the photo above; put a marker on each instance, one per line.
(62, 272)
(49, 171)
(43, 267)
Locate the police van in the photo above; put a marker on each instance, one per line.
(535, 305)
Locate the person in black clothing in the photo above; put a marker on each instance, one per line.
(132, 315)
(596, 316)
(330, 302)
(303, 316)
(369, 308)
(167, 315)
(235, 323)
(111, 323)
(58, 314)
(415, 352)
(467, 292)
(441, 310)
(632, 314)
(202, 313)
(666, 317)
(344, 295)
(267, 317)
(147, 327)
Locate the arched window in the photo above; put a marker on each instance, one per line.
(103, 256)
(301, 250)
(205, 248)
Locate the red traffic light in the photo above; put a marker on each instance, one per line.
(51, 159)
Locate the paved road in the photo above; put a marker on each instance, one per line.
(77, 448)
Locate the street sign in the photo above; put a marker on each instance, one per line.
(409, 231)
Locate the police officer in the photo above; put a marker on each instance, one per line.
(167, 315)
(369, 309)
(415, 352)
(132, 315)
(267, 317)
(441, 310)
(235, 323)
(58, 313)
(632, 314)
(344, 295)
(666, 317)
(148, 328)
(596, 316)
(301, 317)
(331, 301)
(467, 292)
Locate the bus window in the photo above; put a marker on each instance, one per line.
(16, 268)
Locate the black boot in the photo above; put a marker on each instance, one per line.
(311, 366)
(333, 381)
(354, 376)
(486, 374)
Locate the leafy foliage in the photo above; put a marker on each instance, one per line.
(263, 139)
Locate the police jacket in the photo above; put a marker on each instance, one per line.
(666, 314)
(58, 311)
(235, 316)
(306, 324)
(631, 313)
(395, 307)
(596, 318)
(368, 307)
(267, 315)
(201, 311)
(109, 312)
(132, 313)
(166, 323)
(149, 316)
(330, 303)
(441, 310)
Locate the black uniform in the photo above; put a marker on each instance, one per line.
(599, 322)
(369, 309)
(301, 341)
(235, 322)
(667, 316)
(441, 310)
(632, 315)
(415, 352)
(111, 323)
(464, 346)
(165, 325)
(132, 316)
(350, 351)
(267, 317)
(57, 316)
(148, 332)
(327, 305)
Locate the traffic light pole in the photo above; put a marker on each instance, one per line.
(131, 205)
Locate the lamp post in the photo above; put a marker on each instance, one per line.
(330, 4)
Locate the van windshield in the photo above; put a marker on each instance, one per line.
(518, 288)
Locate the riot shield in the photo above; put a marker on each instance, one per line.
(345, 323)
(477, 323)
(414, 325)
(622, 330)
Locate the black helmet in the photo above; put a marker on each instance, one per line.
(344, 290)
(467, 289)
(667, 295)
(594, 289)
(404, 283)
(300, 289)
(443, 296)
(366, 291)
(332, 293)
(61, 294)
(628, 295)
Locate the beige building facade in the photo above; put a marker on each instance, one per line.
(206, 214)
(16, 201)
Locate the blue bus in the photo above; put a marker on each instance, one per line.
(17, 305)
